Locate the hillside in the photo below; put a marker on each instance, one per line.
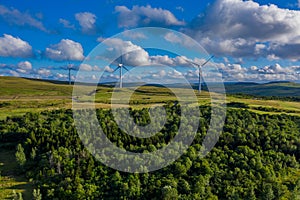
(20, 95)
(281, 89)
(248, 131)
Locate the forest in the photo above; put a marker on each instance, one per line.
(257, 157)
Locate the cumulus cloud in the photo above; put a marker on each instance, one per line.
(65, 50)
(87, 21)
(14, 47)
(276, 72)
(287, 51)
(26, 65)
(61, 76)
(21, 68)
(87, 67)
(245, 28)
(44, 72)
(108, 69)
(146, 16)
(176, 39)
(134, 55)
(66, 23)
(14, 17)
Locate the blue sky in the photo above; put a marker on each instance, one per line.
(251, 40)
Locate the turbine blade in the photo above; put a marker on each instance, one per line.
(116, 69)
(125, 68)
(197, 64)
(121, 57)
(191, 62)
(207, 61)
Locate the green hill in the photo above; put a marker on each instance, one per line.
(281, 89)
(14, 87)
(21, 95)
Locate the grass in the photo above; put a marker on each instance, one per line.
(20, 95)
(10, 180)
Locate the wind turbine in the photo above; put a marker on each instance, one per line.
(200, 68)
(120, 67)
(70, 67)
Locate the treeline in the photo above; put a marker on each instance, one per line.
(256, 157)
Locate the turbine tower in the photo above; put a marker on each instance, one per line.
(200, 70)
(120, 67)
(70, 67)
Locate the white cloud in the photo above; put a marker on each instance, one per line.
(66, 23)
(134, 35)
(44, 72)
(287, 51)
(163, 75)
(146, 16)
(65, 50)
(108, 69)
(249, 20)
(87, 21)
(13, 73)
(174, 38)
(26, 65)
(61, 76)
(14, 47)
(236, 72)
(161, 60)
(272, 57)
(244, 28)
(14, 17)
(87, 67)
(100, 39)
(253, 68)
(136, 55)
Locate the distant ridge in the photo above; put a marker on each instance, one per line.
(245, 83)
(274, 88)
(274, 82)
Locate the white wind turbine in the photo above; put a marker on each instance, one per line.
(120, 67)
(70, 67)
(200, 70)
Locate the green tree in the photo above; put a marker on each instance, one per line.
(169, 193)
(20, 155)
(37, 194)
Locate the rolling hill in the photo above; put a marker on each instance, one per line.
(281, 89)
(21, 95)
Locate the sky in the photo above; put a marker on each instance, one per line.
(255, 41)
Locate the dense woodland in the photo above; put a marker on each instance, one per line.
(256, 157)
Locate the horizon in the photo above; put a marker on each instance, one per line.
(116, 82)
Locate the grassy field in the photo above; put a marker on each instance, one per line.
(19, 95)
